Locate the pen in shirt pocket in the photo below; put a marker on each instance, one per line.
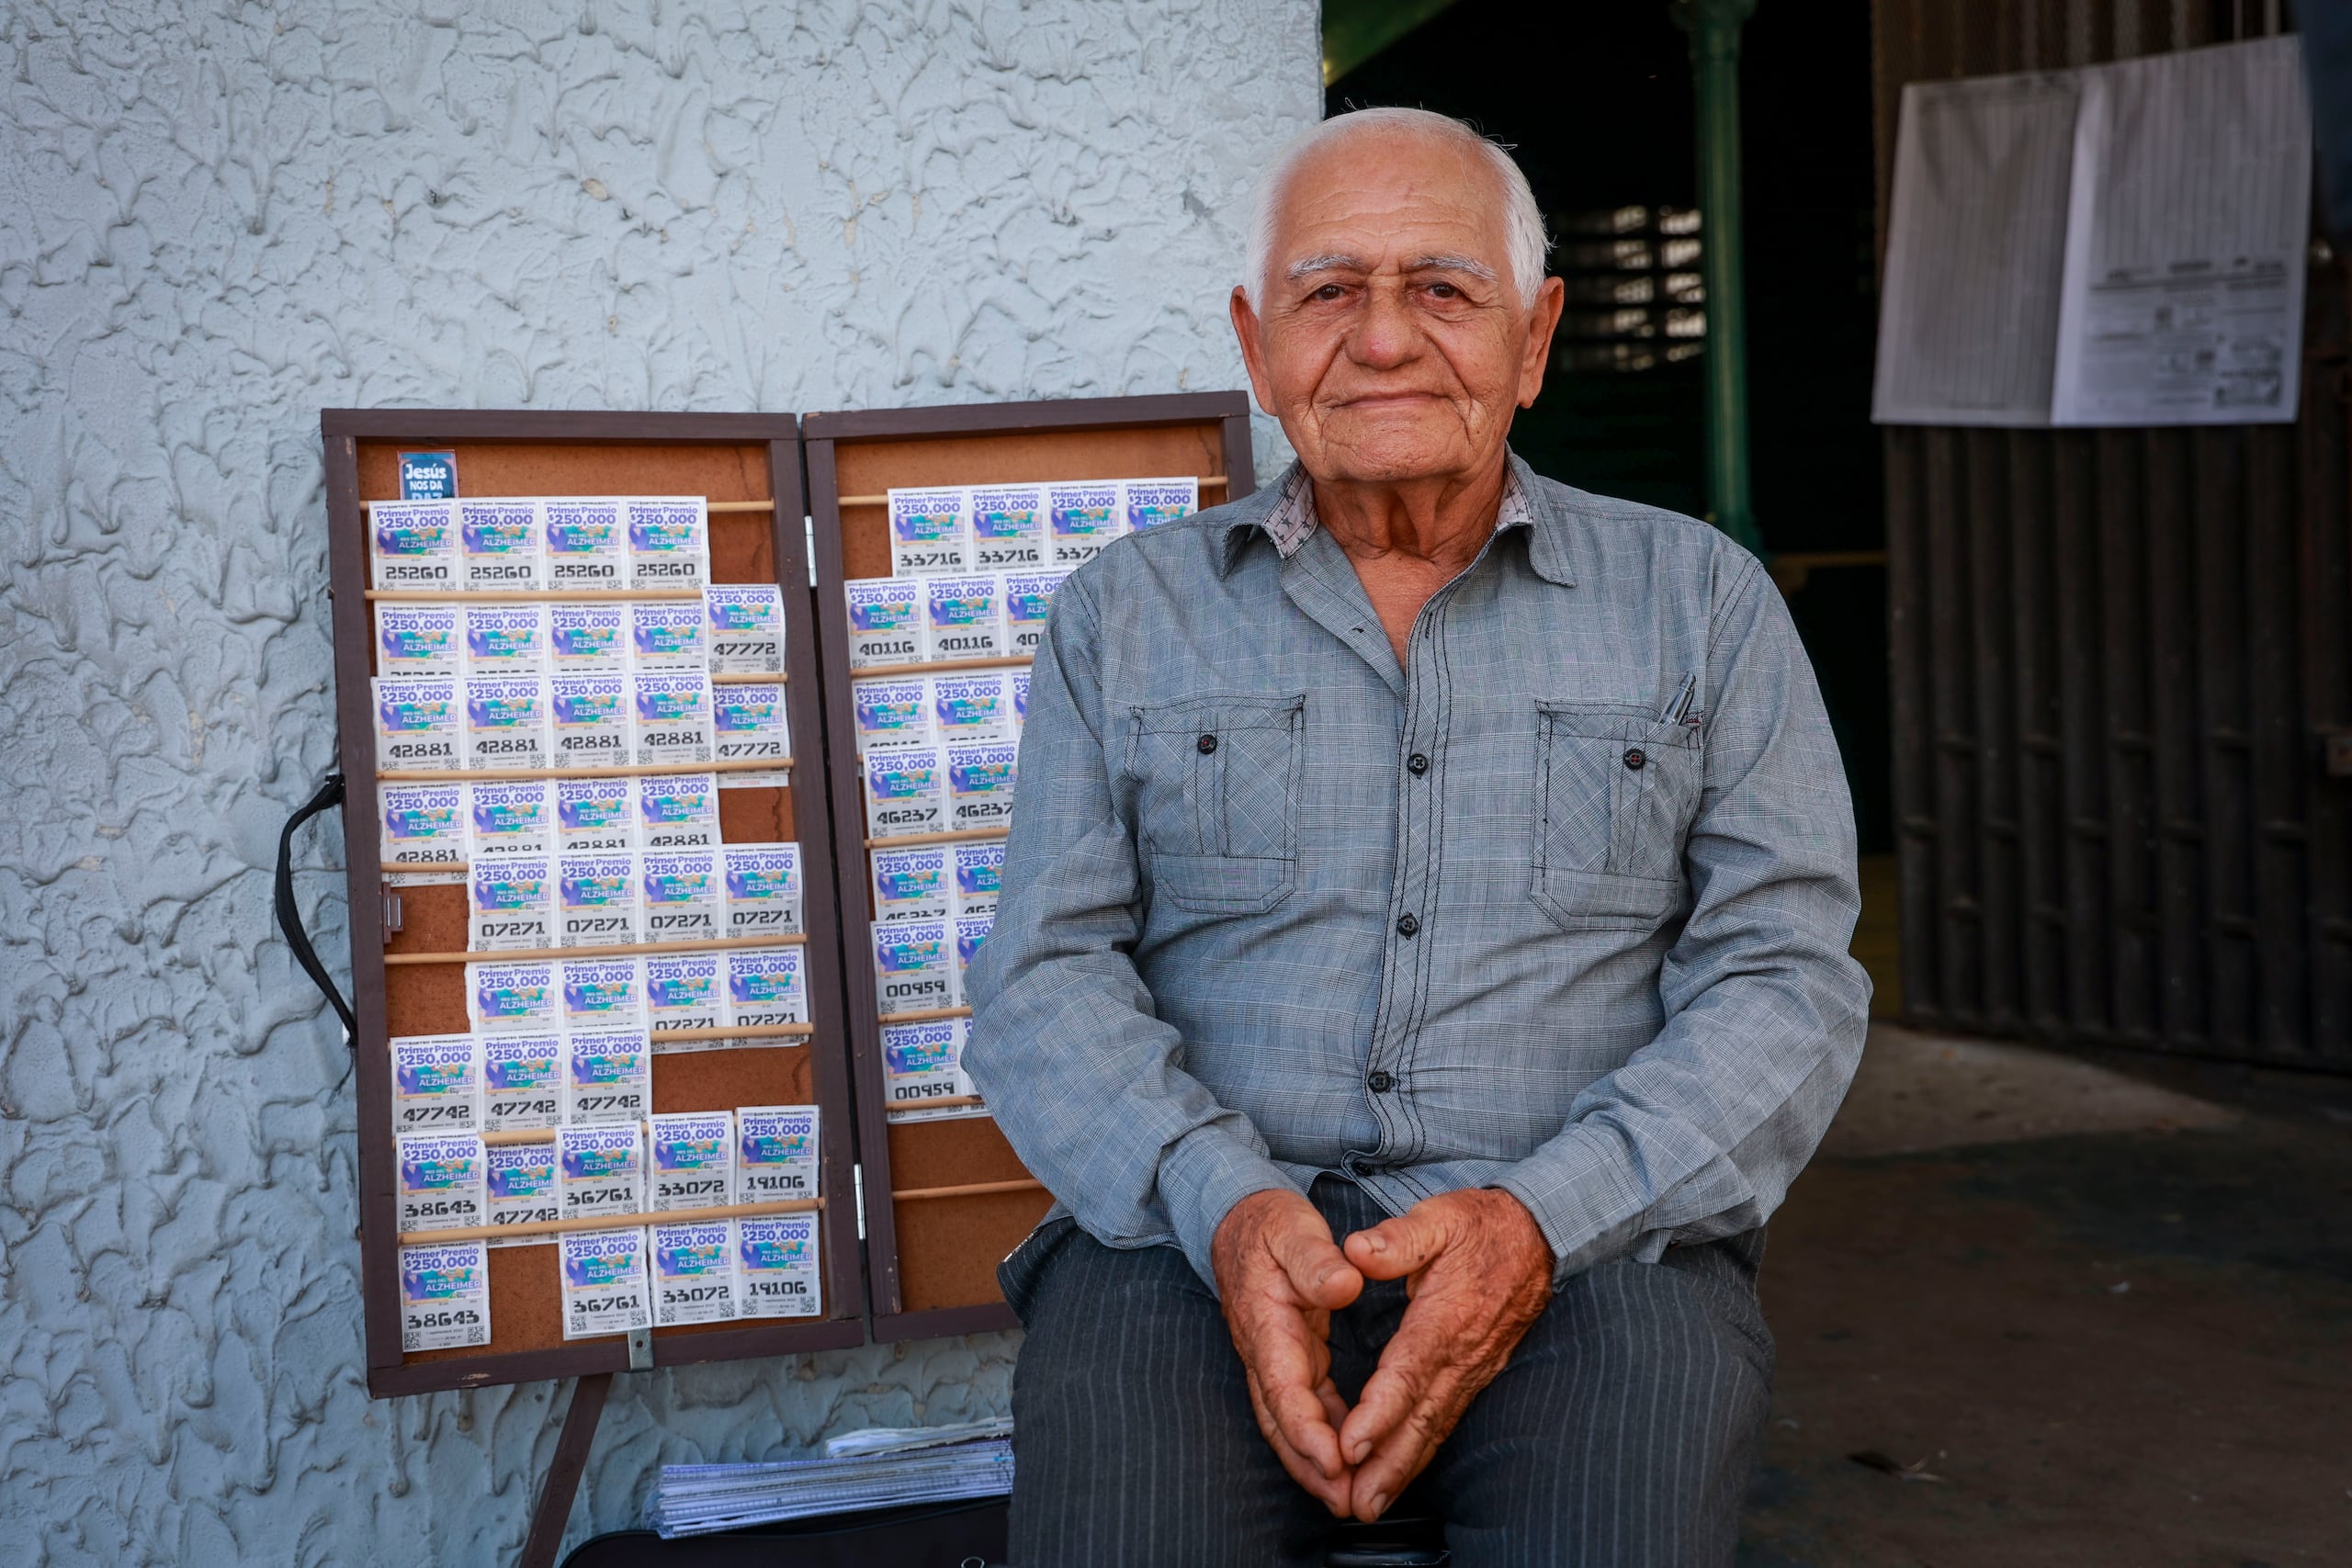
(1678, 707)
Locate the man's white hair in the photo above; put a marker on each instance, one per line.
(1522, 219)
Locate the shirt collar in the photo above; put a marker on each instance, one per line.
(1288, 519)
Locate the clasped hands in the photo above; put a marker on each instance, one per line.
(1478, 1273)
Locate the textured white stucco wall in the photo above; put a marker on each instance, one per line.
(216, 218)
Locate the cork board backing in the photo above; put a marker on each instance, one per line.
(526, 1293)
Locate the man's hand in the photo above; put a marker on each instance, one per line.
(1478, 1273)
(1280, 1278)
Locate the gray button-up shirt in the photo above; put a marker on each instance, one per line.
(1560, 906)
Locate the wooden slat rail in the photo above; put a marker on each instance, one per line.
(977, 1190)
(1207, 481)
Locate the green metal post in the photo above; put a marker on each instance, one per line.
(1713, 27)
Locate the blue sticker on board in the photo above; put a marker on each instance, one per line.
(429, 475)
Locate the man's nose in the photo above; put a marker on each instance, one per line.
(1386, 335)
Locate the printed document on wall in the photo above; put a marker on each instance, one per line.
(2183, 301)
(1976, 248)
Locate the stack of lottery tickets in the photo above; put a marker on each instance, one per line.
(651, 995)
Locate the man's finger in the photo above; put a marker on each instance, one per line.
(1404, 1454)
(1313, 1264)
(1333, 1489)
(1398, 1247)
(1388, 1396)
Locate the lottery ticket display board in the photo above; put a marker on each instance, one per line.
(940, 534)
(602, 1054)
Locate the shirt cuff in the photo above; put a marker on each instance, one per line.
(1569, 1187)
(1201, 1176)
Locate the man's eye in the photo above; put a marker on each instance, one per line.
(1329, 292)
(1445, 291)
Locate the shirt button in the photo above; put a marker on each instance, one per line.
(1380, 1082)
(1417, 763)
(1407, 925)
(1634, 759)
(1207, 743)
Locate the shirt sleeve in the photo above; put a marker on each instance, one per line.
(1087, 1083)
(1699, 1134)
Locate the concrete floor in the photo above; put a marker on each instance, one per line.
(2107, 1304)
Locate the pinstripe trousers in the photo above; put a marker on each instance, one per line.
(1620, 1436)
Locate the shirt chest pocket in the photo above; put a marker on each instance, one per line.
(1216, 782)
(1615, 790)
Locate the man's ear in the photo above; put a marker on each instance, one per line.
(1543, 322)
(1253, 356)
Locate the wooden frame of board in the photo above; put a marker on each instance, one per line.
(946, 1200)
(750, 468)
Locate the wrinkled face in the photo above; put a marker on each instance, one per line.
(1387, 336)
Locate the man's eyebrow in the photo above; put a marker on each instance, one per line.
(1329, 262)
(1470, 264)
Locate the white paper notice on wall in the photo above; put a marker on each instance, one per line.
(2183, 301)
(1976, 247)
(2117, 245)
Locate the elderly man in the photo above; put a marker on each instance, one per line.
(1423, 964)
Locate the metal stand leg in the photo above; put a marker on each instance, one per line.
(562, 1483)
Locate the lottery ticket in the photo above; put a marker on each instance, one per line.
(1008, 527)
(682, 991)
(602, 993)
(930, 532)
(680, 895)
(509, 818)
(892, 711)
(1080, 520)
(1028, 600)
(416, 545)
(597, 816)
(584, 639)
(693, 1160)
(523, 1189)
(605, 1284)
(596, 902)
(766, 987)
(694, 1273)
(912, 884)
(517, 997)
(425, 825)
(418, 722)
(913, 965)
(979, 877)
(673, 717)
(776, 1276)
(417, 640)
(980, 782)
(591, 719)
(746, 628)
(975, 706)
(445, 1297)
(1146, 503)
(607, 1076)
(970, 931)
(506, 721)
(441, 1180)
(763, 889)
(499, 540)
(436, 1084)
(921, 1063)
(906, 792)
(885, 618)
(963, 619)
(668, 634)
(587, 543)
(522, 1081)
(748, 722)
(513, 904)
(669, 541)
(1020, 699)
(600, 1170)
(506, 639)
(776, 1152)
(677, 812)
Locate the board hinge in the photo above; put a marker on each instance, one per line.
(857, 1180)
